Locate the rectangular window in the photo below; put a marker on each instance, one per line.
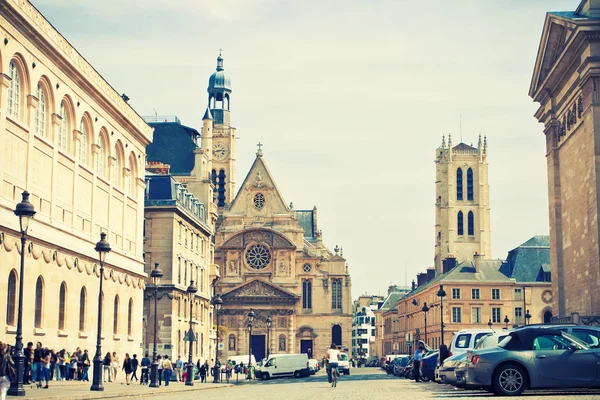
(495, 294)
(456, 315)
(476, 315)
(496, 315)
(336, 294)
(179, 269)
(547, 277)
(306, 294)
(518, 315)
(456, 293)
(518, 294)
(475, 294)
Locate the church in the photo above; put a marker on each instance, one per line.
(271, 257)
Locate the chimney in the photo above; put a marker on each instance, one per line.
(413, 286)
(421, 279)
(476, 262)
(448, 263)
(430, 273)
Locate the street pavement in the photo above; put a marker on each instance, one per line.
(362, 384)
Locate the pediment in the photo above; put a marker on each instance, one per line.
(259, 291)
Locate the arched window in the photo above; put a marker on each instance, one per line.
(39, 125)
(62, 306)
(82, 305)
(470, 184)
(306, 293)
(459, 224)
(459, 184)
(336, 294)
(39, 302)
(470, 223)
(231, 342)
(63, 131)
(132, 176)
(282, 345)
(101, 157)
(117, 170)
(14, 91)
(336, 335)
(82, 146)
(11, 298)
(130, 318)
(116, 316)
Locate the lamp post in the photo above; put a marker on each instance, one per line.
(269, 322)
(217, 303)
(425, 309)
(441, 294)
(189, 379)
(156, 274)
(527, 317)
(25, 212)
(250, 320)
(103, 248)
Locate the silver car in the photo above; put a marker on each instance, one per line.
(534, 357)
(455, 376)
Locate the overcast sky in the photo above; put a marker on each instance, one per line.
(350, 98)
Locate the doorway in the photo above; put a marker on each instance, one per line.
(336, 335)
(258, 347)
(306, 347)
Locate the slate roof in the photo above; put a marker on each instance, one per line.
(391, 300)
(173, 144)
(464, 146)
(525, 261)
(306, 219)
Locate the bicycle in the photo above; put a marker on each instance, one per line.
(334, 376)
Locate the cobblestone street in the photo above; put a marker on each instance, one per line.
(367, 383)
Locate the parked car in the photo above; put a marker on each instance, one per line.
(534, 357)
(445, 372)
(466, 339)
(344, 364)
(284, 365)
(399, 365)
(313, 366)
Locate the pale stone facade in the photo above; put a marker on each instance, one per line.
(78, 147)
(462, 213)
(178, 236)
(565, 84)
(363, 325)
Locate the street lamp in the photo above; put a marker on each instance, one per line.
(189, 379)
(103, 248)
(425, 309)
(25, 212)
(156, 274)
(250, 320)
(441, 294)
(506, 321)
(217, 303)
(269, 322)
(527, 317)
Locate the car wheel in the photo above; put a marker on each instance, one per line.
(297, 374)
(265, 376)
(348, 372)
(509, 380)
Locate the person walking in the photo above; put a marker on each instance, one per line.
(160, 369)
(27, 375)
(146, 363)
(38, 354)
(202, 372)
(85, 358)
(7, 367)
(134, 366)
(72, 374)
(127, 368)
(114, 366)
(46, 363)
(178, 368)
(418, 357)
(106, 367)
(60, 363)
(167, 369)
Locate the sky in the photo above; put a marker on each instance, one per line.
(350, 99)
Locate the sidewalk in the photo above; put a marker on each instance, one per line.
(75, 390)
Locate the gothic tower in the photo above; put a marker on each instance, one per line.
(462, 207)
(223, 136)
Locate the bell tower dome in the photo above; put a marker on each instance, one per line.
(219, 94)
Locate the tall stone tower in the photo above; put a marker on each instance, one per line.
(223, 136)
(462, 207)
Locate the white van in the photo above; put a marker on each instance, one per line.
(467, 339)
(284, 365)
(237, 360)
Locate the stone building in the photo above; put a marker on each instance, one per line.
(386, 324)
(565, 83)
(479, 292)
(462, 207)
(363, 325)
(77, 146)
(271, 257)
(178, 232)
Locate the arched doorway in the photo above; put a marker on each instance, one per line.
(547, 317)
(336, 335)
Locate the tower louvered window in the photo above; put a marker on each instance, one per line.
(470, 184)
(460, 224)
(471, 223)
(221, 189)
(459, 184)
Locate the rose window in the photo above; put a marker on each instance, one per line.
(258, 256)
(307, 268)
(259, 200)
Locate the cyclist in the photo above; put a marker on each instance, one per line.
(333, 356)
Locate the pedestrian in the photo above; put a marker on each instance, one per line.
(178, 368)
(114, 366)
(227, 371)
(38, 354)
(106, 367)
(134, 366)
(160, 369)
(86, 365)
(444, 353)
(28, 362)
(53, 365)
(418, 357)
(61, 364)
(202, 372)
(145, 366)
(72, 374)
(167, 370)
(7, 368)
(127, 368)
